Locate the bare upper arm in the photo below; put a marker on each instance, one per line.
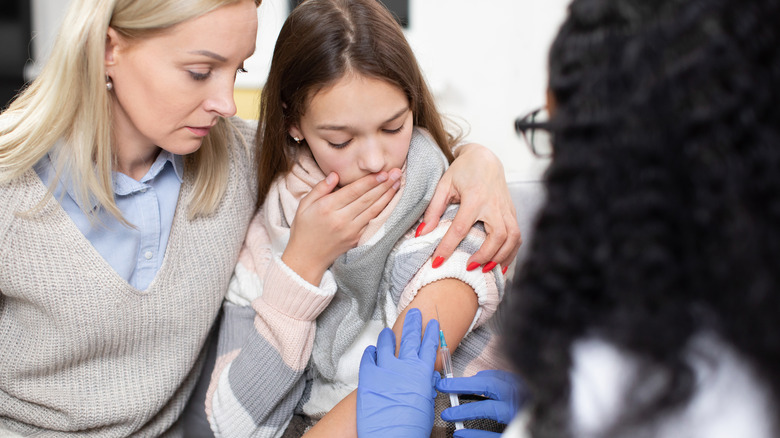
(456, 303)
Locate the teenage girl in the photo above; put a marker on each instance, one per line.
(345, 98)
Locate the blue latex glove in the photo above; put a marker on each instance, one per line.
(399, 390)
(504, 391)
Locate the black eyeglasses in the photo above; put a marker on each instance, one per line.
(534, 128)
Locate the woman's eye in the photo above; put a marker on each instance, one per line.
(242, 70)
(340, 145)
(394, 131)
(200, 76)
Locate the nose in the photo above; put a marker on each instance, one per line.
(220, 99)
(371, 158)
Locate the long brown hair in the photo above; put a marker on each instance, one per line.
(321, 41)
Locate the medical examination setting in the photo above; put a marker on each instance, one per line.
(390, 218)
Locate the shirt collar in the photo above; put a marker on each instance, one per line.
(177, 161)
(124, 185)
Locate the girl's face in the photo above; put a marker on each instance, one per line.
(356, 127)
(170, 89)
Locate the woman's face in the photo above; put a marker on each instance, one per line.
(170, 89)
(356, 127)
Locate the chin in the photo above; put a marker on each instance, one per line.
(185, 147)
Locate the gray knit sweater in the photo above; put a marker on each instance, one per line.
(84, 353)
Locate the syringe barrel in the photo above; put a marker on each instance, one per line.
(446, 362)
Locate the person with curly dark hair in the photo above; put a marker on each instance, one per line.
(648, 303)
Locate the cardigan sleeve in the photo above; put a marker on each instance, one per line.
(488, 286)
(265, 341)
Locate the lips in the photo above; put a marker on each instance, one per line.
(200, 131)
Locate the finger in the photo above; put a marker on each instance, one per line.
(437, 206)
(501, 375)
(354, 191)
(369, 357)
(410, 335)
(508, 240)
(496, 236)
(508, 252)
(503, 385)
(458, 230)
(468, 385)
(473, 433)
(373, 210)
(490, 409)
(496, 231)
(320, 189)
(430, 343)
(385, 347)
(435, 377)
(355, 203)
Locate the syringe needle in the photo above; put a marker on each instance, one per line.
(446, 361)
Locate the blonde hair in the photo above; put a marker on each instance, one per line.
(69, 101)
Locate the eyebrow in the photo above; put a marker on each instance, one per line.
(342, 128)
(212, 55)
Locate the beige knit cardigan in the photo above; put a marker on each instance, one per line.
(84, 353)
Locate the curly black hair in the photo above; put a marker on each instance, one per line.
(662, 218)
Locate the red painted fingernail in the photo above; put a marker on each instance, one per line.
(503, 271)
(419, 230)
(489, 267)
(472, 266)
(437, 262)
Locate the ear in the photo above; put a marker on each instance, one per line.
(113, 41)
(551, 103)
(295, 132)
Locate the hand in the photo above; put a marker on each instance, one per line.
(504, 391)
(399, 390)
(476, 180)
(328, 224)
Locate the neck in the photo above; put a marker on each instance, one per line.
(133, 153)
(135, 165)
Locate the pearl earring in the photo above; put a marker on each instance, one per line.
(109, 83)
(297, 140)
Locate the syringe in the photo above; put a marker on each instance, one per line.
(446, 361)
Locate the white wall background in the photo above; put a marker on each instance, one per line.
(486, 61)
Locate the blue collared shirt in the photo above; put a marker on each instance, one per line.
(136, 254)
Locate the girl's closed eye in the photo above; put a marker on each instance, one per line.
(394, 131)
(340, 145)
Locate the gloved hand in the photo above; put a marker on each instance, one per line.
(503, 389)
(395, 395)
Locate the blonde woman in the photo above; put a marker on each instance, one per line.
(127, 188)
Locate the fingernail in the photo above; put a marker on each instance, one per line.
(437, 262)
(489, 267)
(503, 271)
(419, 229)
(395, 174)
(382, 177)
(331, 178)
(472, 266)
(396, 185)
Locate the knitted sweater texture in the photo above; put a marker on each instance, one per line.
(82, 353)
(287, 346)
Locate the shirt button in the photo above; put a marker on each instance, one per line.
(143, 190)
(148, 255)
